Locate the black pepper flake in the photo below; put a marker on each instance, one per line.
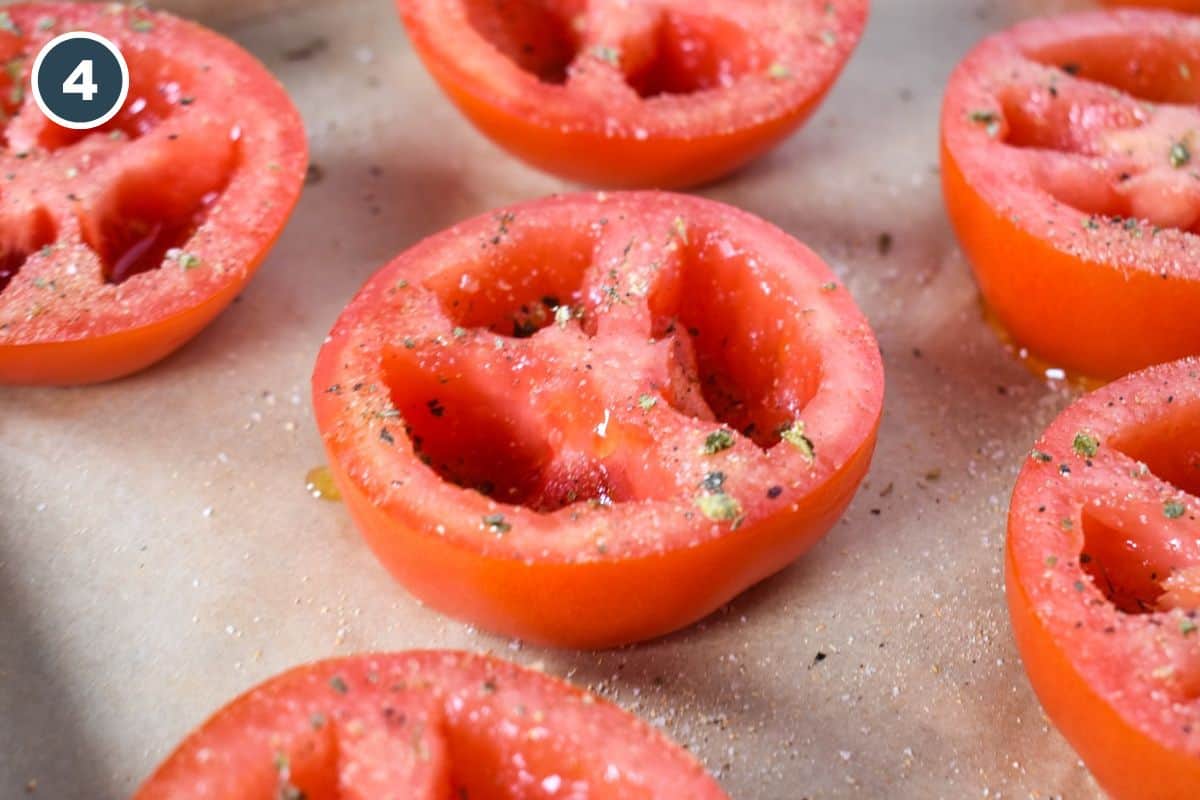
(884, 243)
(774, 492)
(435, 407)
(386, 435)
(497, 523)
(338, 684)
(713, 482)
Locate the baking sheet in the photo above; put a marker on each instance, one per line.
(159, 552)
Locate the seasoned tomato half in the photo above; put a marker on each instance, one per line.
(1103, 575)
(1071, 170)
(653, 94)
(119, 244)
(593, 419)
(425, 725)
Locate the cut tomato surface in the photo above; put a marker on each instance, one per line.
(425, 725)
(119, 244)
(657, 94)
(1103, 576)
(594, 419)
(1071, 170)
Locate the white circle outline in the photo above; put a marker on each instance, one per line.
(108, 45)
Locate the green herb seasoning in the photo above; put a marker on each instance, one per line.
(794, 435)
(187, 261)
(717, 441)
(607, 54)
(1187, 626)
(679, 227)
(1086, 444)
(719, 507)
(647, 402)
(989, 119)
(778, 72)
(1180, 155)
(1173, 509)
(1038, 455)
(338, 684)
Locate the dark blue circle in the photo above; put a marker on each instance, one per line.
(57, 65)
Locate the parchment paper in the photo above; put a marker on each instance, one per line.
(159, 552)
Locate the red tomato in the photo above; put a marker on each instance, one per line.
(1069, 161)
(1177, 5)
(118, 245)
(661, 93)
(424, 725)
(594, 419)
(1103, 575)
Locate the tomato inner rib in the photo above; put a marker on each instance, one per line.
(585, 367)
(134, 191)
(648, 49)
(1139, 512)
(1097, 139)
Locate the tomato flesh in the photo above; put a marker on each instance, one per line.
(1068, 172)
(1103, 577)
(1175, 5)
(424, 725)
(658, 94)
(566, 420)
(120, 243)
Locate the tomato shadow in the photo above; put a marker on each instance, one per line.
(44, 740)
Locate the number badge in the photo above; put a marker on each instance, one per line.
(80, 80)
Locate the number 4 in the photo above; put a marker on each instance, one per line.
(80, 81)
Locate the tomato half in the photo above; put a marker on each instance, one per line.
(1103, 577)
(657, 94)
(119, 244)
(593, 419)
(424, 725)
(1070, 151)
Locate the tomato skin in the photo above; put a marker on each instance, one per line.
(1128, 764)
(1076, 289)
(579, 573)
(69, 316)
(587, 605)
(1176, 5)
(1069, 312)
(1088, 520)
(424, 725)
(648, 149)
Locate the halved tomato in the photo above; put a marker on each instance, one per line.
(653, 94)
(1070, 158)
(593, 419)
(424, 725)
(1103, 576)
(119, 244)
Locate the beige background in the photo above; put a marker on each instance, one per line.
(159, 553)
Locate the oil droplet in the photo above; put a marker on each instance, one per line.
(1035, 364)
(319, 483)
